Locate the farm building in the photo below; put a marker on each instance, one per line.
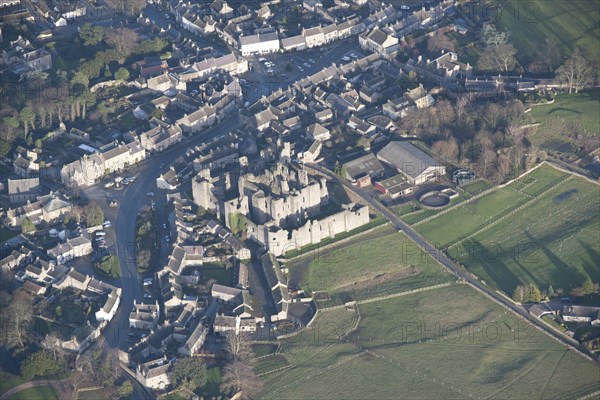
(395, 186)
(581, 314)
(410, 161)
(361, 170)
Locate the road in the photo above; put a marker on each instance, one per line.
(131, 199)
(441, 257)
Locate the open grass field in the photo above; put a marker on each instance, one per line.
(581, 109)
(36, 393)
(380, 263)
(444, 343)
(553, 240)
(8, 381)
(268, 364)
(570, 23)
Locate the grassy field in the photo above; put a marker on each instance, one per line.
(382, 262)
(552, 241)
(263, 349)
(8, 381)
(581, 109)
(217, 273)
(570, 23)
(36, 393)
(269, 364)
(445, 343)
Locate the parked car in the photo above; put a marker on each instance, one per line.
(109, 185)
(150, 194)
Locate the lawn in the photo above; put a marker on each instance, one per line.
(469, 217)
(269, 364)
(8, 381)
(382, 262)
(213, 381)
(552, 241)
(217, 273)
(580, 109)
(36, 393)
(6, 234)
(263, 349)
(570, 23)
(446, 343)
(477, 187)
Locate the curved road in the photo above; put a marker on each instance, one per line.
(440, 256)
(132, 198)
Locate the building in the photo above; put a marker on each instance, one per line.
(144, 315)
(412, 162)
(378, 41)
(574, 313)
(71, 249)
(108, 310)
(225, 294)
(317, 131)
(22, 190)
(259, 43)
(361, 170)
(395, 186)
(47, 208)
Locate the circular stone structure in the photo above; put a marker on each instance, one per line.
(434, 199)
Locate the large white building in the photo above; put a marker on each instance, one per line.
(259, 43)
(412, 162)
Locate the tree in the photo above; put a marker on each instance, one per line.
(122, 74)
(125, 389)
(11, 123)
(439, 41)
(519, 294)
(240, 377)
(577, 73)
(93, 215)
(188, 373)
(91, 35)
(550, 291)
(588, 286)
(27, 117)
(27, 226)
(127, 7)
(16, 319)
(547, 58)
(40, 363)
(238, 222)
(123, 40)
(577, 292)
(498, 58)
(534, 294)
(38, 143)
(493, 37)
(239, 349)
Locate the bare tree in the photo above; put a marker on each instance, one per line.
(123, 40)
(127, 7)
(240, 377)
(577, 73)
(439, 41)
(498, 58)
(239, 349)
(16, 319)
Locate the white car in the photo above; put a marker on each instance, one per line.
(262, 59)
(353, 55)
(345, 58)
(150, 194)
